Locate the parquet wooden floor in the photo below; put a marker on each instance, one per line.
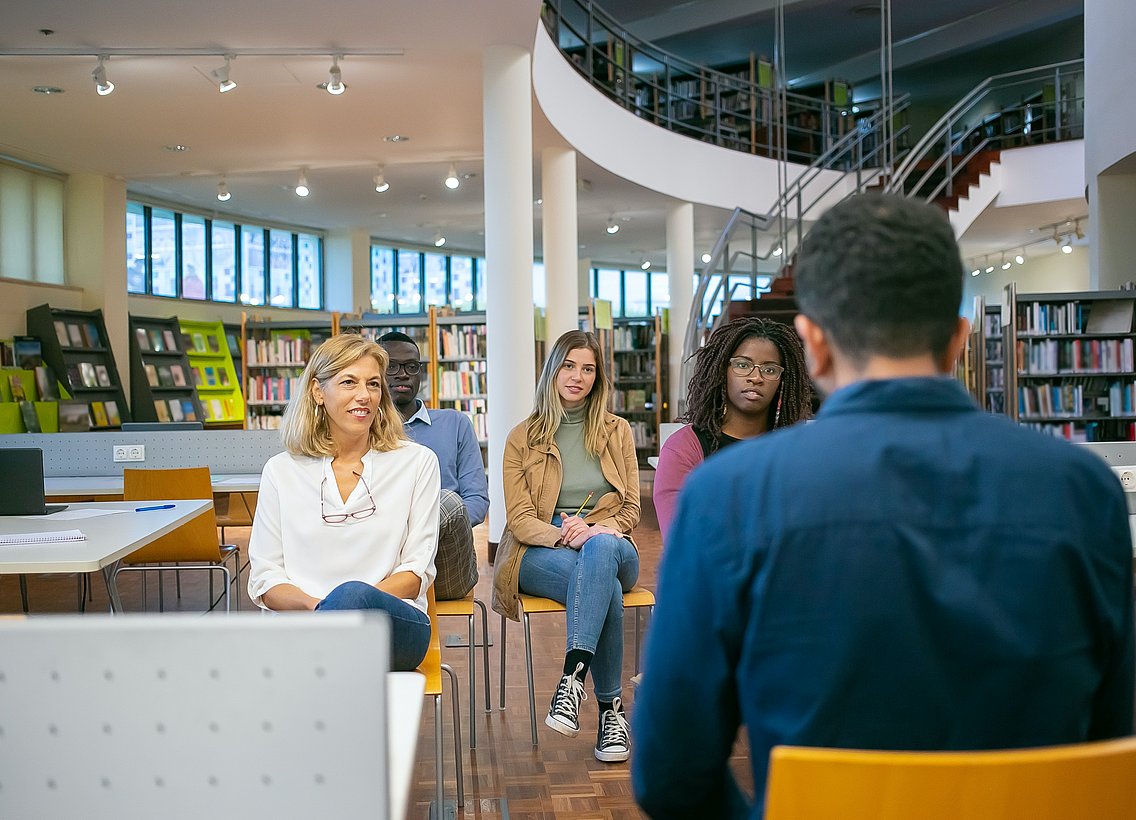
(505, 776)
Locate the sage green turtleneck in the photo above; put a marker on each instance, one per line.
(582, 474)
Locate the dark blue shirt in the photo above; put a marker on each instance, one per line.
(906, 572)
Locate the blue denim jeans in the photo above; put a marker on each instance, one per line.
(410, 626)
(590, 582)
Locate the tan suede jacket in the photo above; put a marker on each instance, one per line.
(532, 477)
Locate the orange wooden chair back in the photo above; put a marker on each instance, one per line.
(195, 540)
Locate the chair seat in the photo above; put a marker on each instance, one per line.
(535, 605)
(461, 606)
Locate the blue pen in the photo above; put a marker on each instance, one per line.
(156, 507)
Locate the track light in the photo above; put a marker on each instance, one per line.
(335, 84)
(452, 180)
(989, 267)
(645, 264)
(778, 251)
(302, 183)
(223, 194)
(1005, 262)
(1020, 259)
(1067, 245)
(103, 86)
(439, 240)
(705, 259)
(381, 183)
(221, 75)
(975, 271)
(612, 226)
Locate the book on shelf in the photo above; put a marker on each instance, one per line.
(162, 410)
(176, 413)
(61, 333)
(178, 375)
(102, 376)
(1110, 316)
(169, 341)
(74, 417)
(151, 375)
(75, 335)
(157, 342)
(98, 414)
(114, 418)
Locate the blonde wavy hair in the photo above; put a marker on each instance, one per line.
(548, 411)
(304, 429)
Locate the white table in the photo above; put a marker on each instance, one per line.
(56, 486)
(405, 691)
(110, 538)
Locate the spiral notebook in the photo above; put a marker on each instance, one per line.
(42, 537)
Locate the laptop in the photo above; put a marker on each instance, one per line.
(21, 483)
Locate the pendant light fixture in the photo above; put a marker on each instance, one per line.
(452, 180)
(103, 86)
(223, 194)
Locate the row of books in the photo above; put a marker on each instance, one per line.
(632, 401)
(209, 376)
(77, 334)
(468, 379)
(271, 388)
(476, 411)
(1089, 431)
(166, 375)
(263, 422)
(644, 434)
(1066, 400)
(89, 374)
(279, 350)
(462, 342)
(104, 414)
(176, 410)
(1098, 316)
(1073, 356)
(634, 337)
(480, 423)
(156, 340)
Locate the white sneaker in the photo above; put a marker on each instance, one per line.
(613, 741)
(564, 711)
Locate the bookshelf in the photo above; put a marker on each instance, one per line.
(276, 353)
(458, 368)
(161, 380)
(75, 345)
(639, 379)
(993, 396)
(212, 373)
(1070, 363)
(236, 352)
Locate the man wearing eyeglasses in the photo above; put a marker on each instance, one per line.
(465, 491)
(907, 572)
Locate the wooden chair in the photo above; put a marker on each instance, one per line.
(1093, 781)
(637, 598)
(195, 541)
(465, 608)
(432, 668)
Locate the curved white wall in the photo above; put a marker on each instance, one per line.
(651, 156)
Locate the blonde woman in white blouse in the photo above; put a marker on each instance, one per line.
(348, 516)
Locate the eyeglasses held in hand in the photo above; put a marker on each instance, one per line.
(339, 518)
(741, 366)
(410, 368)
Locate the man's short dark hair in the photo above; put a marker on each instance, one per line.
(398, 336)
(882, 275)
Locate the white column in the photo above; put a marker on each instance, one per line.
(559, 219)
(507, 110)
(680, 271)
(347, 273)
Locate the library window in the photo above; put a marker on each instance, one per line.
(609, 286)
(660, 291)
(636, 301)
(409, 282)
(461, 283)
(540, 294)
(482, 283)
(434, 265)
(190, 256)
(31, 225)
(632, 293)
(382, 279)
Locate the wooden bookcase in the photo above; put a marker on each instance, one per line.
(993, 360)
(161, 377)
(458, 368)
(639, 379)
(212, 373)
(76, 346)
(275, 354)
(1070, 365)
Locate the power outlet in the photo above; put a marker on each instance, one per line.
(1127, 476)
(130, 452)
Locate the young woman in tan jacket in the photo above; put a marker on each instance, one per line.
(571, 482)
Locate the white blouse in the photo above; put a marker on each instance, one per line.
(292, 544)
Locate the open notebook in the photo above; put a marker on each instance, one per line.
(42, 537)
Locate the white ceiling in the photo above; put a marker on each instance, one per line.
(425, 84)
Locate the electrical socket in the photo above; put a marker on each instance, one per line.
(1127, 476)
(130, 452)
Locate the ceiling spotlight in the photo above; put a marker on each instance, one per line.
(705, 259)
(335, 84)
(1021, 260)
(778, 251)
(381, 183)
(439, 240)
(646, 264)
(221, 75)
(989, 267)
(302, 183)
(102, 85)
(1067, 245)
(975, 272)
(612, 226)
(452, 180)
(223, 194)
(1005, 262)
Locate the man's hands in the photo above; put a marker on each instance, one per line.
(574, 532)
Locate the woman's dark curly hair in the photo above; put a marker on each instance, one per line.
(706, 392)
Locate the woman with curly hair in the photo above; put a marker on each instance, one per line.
(749, 378)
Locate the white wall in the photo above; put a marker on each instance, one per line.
(1052, 273)
(1110, 119)
(1043, 173)
(16, 296)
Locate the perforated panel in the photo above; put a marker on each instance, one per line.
(142, 716)
(87, 454)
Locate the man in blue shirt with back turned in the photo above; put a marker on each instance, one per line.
(906, 572)
(465, 492)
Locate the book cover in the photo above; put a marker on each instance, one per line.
(74, 377)
(76, 335)
(162, 411)
(113, 418)
(91, 334)
(156, 342)
(87, 370)
(168, 338)
(199, 343)
(196, 373)
(234, 345)
(61, 333)
(223, 377)
(216, 409)
(98, 414)
(211, 376)
(151, 375)
(142, 337)
(186, 342)
(178, 375)
(165, 378)
(188, 410)
(205, 412)
(175, 410)
(46, 385)
(1110, 316)
(28, 414)
(102, 376)
(214, 344)
(17, 385)
(73, 417)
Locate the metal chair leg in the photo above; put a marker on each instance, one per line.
(472, 685)
(439, 794)
(484, 654)
(24, 592)
(529, 670)
(502, 698)
(457, 732)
